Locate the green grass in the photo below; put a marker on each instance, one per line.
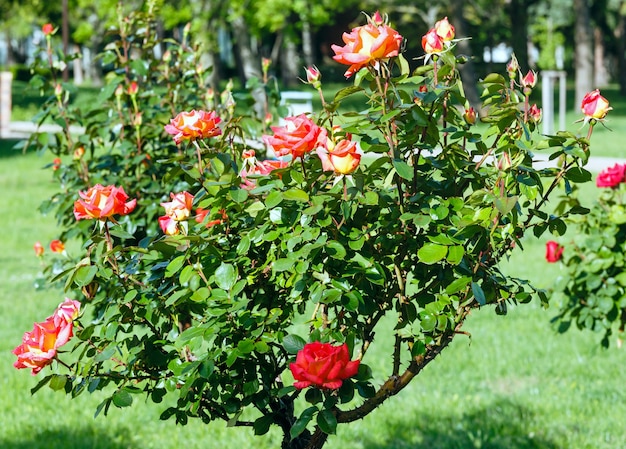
(513, 384)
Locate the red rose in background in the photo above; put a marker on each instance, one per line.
(612, 176)
(554, 251)
(103, 202)
(366, 45)
(39, 249)
(323, 365)
(299, 136)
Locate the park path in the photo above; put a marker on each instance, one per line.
(21, 130)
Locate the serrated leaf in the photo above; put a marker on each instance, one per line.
(293, 343)
(296, 195)
(327, 421)
(225, 276)
(403, 169)
(302, 421)
(122, 398)
(432, 253)
(479, 294)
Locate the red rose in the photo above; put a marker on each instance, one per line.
(554, 251)
(57, 246)
(323, 365)
(612, 176)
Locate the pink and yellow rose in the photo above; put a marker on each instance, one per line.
(103, 202)
(367, 45)
(194, 125)
(299, 136)
(342, 157)
(595, 106)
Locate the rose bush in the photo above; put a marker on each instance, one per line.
(268, 300)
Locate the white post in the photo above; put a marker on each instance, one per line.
(548, 79)
(5, 103)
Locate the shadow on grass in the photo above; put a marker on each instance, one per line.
(11, 148)
(503, 425)
(67, 438)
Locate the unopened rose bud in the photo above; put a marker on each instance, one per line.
(167, 56)
(137, 120)
(58, 91)
(47, 29)
(470, 116)
(504, 162)
(444, 30)
(39, 249)
(265, 64)
(377, 19)
(313, 76)
(529, 80)
(79, 152)
(534, 113)
(119, 90)
(133, 88)
(512, 67)
(595, 106)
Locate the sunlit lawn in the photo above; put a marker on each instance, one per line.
(514, 384)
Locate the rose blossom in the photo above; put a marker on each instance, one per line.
(323, 365)
(342, 157)
(194, 125)
(168, 225)
(611, 176)
(201, 215)
(432, 42)
(534, 113)
(57, 246)
(103, 202)
(39, 346)
(553, 251)
(179, 208)
(299, 136)
(367, 45)
(444, 29)
(595, 106)
(529, 80)
(47, 29)
(39, 249)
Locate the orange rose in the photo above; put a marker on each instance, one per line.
(342, 158)
(194, 125)
(103, 202)
(259, 168)
(323, 365)
(366, 46)
(299, 136)
(595, 106)
(47, 29)
(57, 246)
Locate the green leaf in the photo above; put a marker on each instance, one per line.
(327, 421)
(57, 382)
(403, 169)
(431, 253)
(479, 294)
(262, 425)
(506, 205)
(238, 195)
(293, 343)
(122, 398)
(455, 254)
(302, 421)
(174, 266)
(578, 174)
(296, 195)
(225, 276)
(105, 355)
(84, 275)
(283, 264)
(335, 250)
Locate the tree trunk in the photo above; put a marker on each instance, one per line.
(583, 42)
(307, 43)
(468, 72)
(601, 73)
(620, 34)
(518, 13)
(249, 63)
(290, 62)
